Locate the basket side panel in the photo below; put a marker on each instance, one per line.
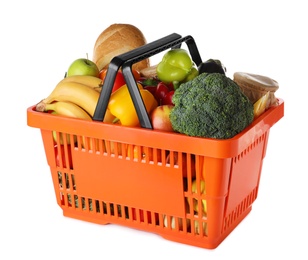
(123, 180)
(216, 173)
(245, 176)
(49, 145)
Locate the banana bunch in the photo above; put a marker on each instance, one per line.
(74, 96)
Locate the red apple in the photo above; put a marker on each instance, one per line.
(160, 118)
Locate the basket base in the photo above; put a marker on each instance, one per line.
(207, 243)
(183, 238)
(83, 217)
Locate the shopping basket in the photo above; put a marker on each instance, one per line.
(187, 189)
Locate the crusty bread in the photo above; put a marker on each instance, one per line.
(115, 40)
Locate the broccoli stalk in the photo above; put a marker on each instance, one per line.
(211, 105)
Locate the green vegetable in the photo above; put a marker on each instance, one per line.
(192, 74)
(149, 82)
(211, 105)
(175, 67)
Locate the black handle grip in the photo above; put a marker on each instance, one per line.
(126, 60)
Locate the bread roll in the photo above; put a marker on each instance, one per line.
(115, 40)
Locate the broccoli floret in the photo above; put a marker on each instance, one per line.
(211, 105)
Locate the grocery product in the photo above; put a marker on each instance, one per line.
(192, 190)
(254, 86)
(80, 94)
(115, 40)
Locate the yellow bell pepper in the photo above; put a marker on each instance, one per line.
(122, 106)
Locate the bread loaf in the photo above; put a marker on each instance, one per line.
(115, 40)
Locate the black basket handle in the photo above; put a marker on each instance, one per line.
(126, 60)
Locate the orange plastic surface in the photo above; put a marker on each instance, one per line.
(187, 189)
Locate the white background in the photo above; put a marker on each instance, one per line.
(39, 39)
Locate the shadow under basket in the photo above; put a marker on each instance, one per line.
(186, 189)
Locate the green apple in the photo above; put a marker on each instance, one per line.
(83, 66)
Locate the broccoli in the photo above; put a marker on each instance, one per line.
(210, 105)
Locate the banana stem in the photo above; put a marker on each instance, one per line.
(41, 106)
(116, 120)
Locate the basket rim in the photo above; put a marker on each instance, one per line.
(157, 139)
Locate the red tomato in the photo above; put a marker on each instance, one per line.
(170, 86)
(167, 100)
(152, 89)
(118, 82)
(161, 92)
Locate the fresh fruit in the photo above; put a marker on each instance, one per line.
(119, 80)
(59, 138)
(62, 108)
(161, 91)
(69, 109)
(80, 94)
(175, 223)
(145, 153)
(83, 66)
(109, 118)
(152, 89)
(201, 191)
(122, 107)
(83, 91)
(176, 66)
(197, 226)
(167, 100)
(160, 118)
(91, 81)
(112, 147)
(261, 105)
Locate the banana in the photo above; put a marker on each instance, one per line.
(68, 109)
(91, 81)
(261, 105)
(62, 108)
(77, 93)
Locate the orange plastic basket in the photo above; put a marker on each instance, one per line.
(187, 189)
